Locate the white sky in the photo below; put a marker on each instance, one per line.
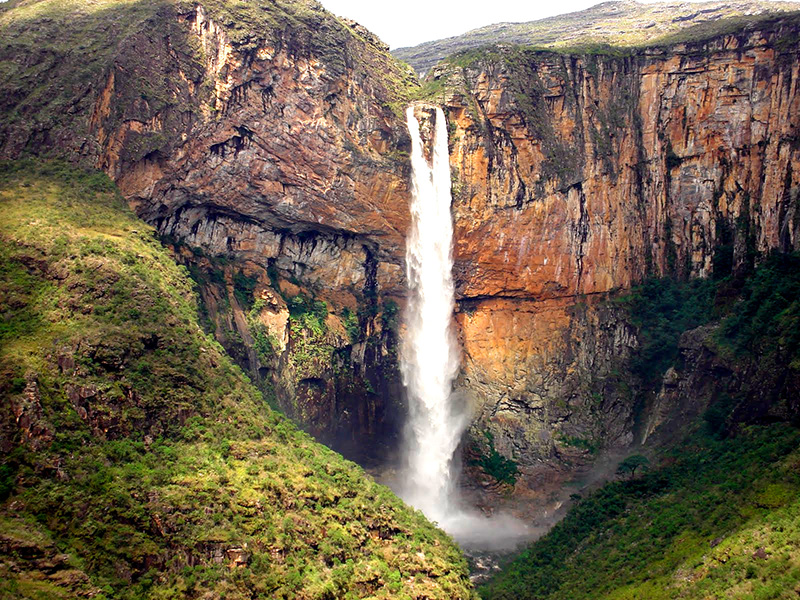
(411, 22)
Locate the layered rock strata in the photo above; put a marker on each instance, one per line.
(576, 177)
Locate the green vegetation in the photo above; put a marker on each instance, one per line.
(494, 464)
(350, 321)
(719, 516)
(578, 442)
(718, 519)
(145, 457)
(630, 465)
(702, 32)
(605, 26)
(767, 319)
(390, 315)
(243, 290)
(662, 309)
(312, 348)
(759, 314)
(265, 343)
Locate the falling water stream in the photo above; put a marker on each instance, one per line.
(430, 354)
(430, 357)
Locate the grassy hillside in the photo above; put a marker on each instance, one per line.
(623, 23)
(137, 461)
(720, 519)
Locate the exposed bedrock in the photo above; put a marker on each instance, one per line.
(576, 177)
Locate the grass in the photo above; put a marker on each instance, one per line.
(718, 519)
(602, 28)
(146, 456)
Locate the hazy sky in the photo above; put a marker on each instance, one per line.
(410, 22)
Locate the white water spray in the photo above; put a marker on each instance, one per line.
(430, 356)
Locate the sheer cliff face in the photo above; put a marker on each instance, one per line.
(265, 133)
(289, 161)
(577, 176)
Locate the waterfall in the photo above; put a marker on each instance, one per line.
(429, 357)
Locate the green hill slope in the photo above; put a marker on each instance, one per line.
(137, 461)
(624, 23)
(720, 519)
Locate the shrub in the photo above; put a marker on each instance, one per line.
(494, 464)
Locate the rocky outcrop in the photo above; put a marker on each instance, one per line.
(725, 389)
(576, 177)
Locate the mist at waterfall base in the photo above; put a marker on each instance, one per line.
(430, 358)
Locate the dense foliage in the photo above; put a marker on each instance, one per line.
(719, 519)
(494, 464)
(137, 460)
(759, 313)
(662, 309)
(768, 317)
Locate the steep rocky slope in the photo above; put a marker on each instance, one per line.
(716, 514)
(620, 22)
(262, 135)
(137, 460)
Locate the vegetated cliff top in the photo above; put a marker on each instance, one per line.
(136, 461)
(622, 22)
(779, 30)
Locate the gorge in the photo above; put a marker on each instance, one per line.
(624, 244)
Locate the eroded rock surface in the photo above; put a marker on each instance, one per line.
(576, 177)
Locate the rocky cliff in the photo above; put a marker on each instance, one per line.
(577, 176)
(263, 142)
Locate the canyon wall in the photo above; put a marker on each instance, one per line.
(578, 176)
(265, 144)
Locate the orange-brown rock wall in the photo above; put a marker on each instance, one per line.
(578, 176)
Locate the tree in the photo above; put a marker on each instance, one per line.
(629, 465)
